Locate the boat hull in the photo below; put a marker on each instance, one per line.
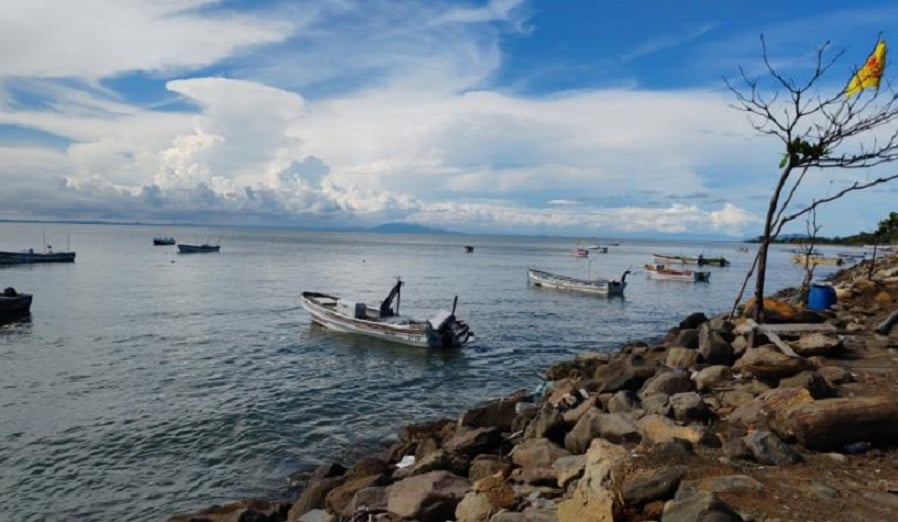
(14, 306)
(686, 260)
(665, 274)
(602, 287)
(162, 241)
(817, 260)
(27, 258)
(197, 249)
(396, 329)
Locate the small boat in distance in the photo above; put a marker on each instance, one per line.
(163, 241)
(663, 273)
(29, 256)
(184, 248)
(443, 330)
(817, 260)
(597, 286)
(14, 304)
(686, 260)
(469, 249)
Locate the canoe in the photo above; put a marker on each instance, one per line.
(163, 241)
(443, 330)
(597, 286)
(29, 257)
(197, 249)
(668, 274)
(14, 304)
(686, 260)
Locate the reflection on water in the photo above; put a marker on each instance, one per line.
(146, 383)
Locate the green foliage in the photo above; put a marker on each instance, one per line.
(799, 152)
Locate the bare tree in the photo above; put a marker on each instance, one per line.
(807, 253)
(817, 132)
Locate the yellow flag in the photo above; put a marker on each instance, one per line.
(870, 73)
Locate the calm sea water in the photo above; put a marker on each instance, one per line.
(147, 383)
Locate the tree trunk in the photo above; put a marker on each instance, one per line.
(829, 424)
(765, 243)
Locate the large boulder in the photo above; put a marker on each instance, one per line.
(537, 453)
(431, 497)
(595, 498)
(817, 344)
(499, 413)
(669, 382)
(702, 506)
(613, 427)
(712, 346)
(240, 510)
(652, 484)
(767, 362)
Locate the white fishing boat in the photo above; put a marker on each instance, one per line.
(663, 273)
(596, 286)
(443, 330)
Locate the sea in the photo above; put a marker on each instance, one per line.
(147, 383)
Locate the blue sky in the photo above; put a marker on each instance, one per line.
(504, 116)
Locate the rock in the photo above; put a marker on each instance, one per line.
(817, 344)
(653, 484)
(712, 346)
(486, 465)
(548, 423)
(688, 338)
(679, 357)
(767, 448)
(431, 461)
(570, 417)
(689, 406)
(702, 506)
(834, 375)
(240, 510)
(568, 469)
(537, 453)
(669, 382)
(809, 380)
(657, 403)
(693, 321)
(660, 429)
(613, 427)
(736, 398)
(338, 498)
(497, 490)
(623, 401)
(474, 441)
(312, 497)
(499, 413)
(317, 515)
(437, 428)
(768, 362)
(473, 507)
(534, 476)
(595, 498)
(755, 414)
(373, 498)
(673, 448)
(711, 376)
(740, 484)
(431, 497)
(527, 515)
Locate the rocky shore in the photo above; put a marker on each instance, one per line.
(723, 420)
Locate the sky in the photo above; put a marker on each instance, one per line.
(558, 117)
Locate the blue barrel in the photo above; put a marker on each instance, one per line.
(821, 297)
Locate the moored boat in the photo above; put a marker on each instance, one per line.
(14, 304)
(443, 330)
(686, 260)
(29, 256)
(597, 286)
(817, 260)
(184, 248)
(661, 272)
(469, 248)
(163, 241)
(580, 252)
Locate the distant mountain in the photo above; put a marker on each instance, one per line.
(407, 228)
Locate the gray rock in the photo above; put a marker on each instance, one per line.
(669, 382)
(537, 453)
(767, 448)
(713, 347)
(689, 406)
(623, 401)
(809, 380)
(651, 485)
(431, 497)
(702, 506)
(657, 403)
(679, 357)
(613, 427)
(711, 376)
(693, 321)
(688, 338)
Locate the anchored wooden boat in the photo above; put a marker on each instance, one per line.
(686, 260)
(163, 241)
(597, 286)
(197, 249)
(30, 256)
(661, 272)
(14, 304)
(443, 330)
(817, 260)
